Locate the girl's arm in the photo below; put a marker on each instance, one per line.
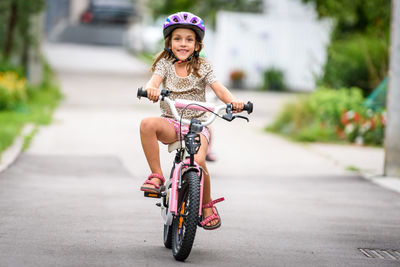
(225, 96)
(152, 87)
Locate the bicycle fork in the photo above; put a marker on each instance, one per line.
(172, 189)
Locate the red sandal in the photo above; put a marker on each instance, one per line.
(214, 216)
(157, 188)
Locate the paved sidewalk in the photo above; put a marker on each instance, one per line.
(365, 160)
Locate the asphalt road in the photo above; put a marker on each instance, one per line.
(72, 199)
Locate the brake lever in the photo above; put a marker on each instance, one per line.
(230, 117)
(229, 114)
(241, 117)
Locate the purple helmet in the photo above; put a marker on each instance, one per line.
(184, 20)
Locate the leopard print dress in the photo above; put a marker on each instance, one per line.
(190, 87)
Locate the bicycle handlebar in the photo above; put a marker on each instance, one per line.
(247, 107)
(193, 105)
(141, 93)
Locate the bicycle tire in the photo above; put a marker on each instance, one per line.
(168, 236)
(184, 227)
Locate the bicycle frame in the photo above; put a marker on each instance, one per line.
(182, 164)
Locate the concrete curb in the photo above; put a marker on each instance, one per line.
(391, 183)
(343, 156)
(11, 154)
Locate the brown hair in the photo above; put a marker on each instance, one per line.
(192, 66)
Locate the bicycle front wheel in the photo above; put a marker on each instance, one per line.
(185, 223)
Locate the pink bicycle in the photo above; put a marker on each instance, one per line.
(181, 196)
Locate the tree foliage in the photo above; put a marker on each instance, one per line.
(359, 51)
(15, 21)
(370, 17)
(206, 9)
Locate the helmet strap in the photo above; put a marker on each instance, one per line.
(176, 60)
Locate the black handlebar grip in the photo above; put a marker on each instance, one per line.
(141, 92)
(248, 107)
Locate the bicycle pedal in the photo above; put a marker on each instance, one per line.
(152, 194)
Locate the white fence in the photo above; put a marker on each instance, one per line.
(288, 37)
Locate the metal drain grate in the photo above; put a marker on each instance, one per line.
(389, 254)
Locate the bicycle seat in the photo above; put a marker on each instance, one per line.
(176, 145)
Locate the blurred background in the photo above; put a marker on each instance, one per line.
(334, 53)
(246, 39)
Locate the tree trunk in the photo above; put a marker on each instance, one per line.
(25, 54)
(12, 22)
(392, 138)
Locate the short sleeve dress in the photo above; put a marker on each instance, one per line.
(190, 87)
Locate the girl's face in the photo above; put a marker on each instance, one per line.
(183, 43)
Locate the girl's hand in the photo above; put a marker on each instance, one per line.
(225, 96)
(153, 94)
(237, 105)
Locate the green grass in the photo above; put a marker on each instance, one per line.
(37, 110)
(352, 168)
(28, 138)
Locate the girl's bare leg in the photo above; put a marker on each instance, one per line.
(200, 158)
(153, 130)
(210, 155)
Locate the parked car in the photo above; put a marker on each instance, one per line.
(108, 11)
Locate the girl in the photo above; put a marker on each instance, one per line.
(181, 71)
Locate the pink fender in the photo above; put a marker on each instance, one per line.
(174, 189)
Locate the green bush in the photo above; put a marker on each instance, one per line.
(274, 80)
(359, 48)
(328, 105)
(366, 127)
(360, 61)
(328, 115)
(13, 91)
(37, 109)
(6, 66)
